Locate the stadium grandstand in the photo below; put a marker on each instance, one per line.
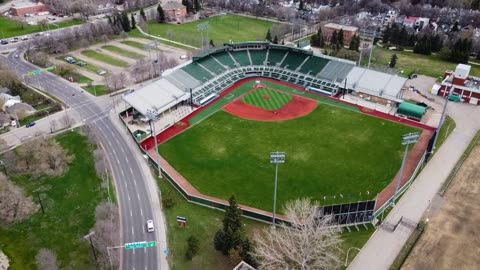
(206, 75)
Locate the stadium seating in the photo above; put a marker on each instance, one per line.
(275, 56)
(241, 57)
(198, 72)
(225, 59)
(212, 65)
(314, 65)
(293, 60)
(258, 57)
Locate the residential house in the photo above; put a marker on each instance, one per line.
(174, 11)
(348, 31)
(410, 21)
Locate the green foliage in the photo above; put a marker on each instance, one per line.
(268, 37)
(340, 38)
(231, 235)
(219, 241)
(247, 249)
(161, 14)
(197, 5)
(354, 43)
(134, 23)
(460, 51)
(211, 43)
(393, 61)
(317, 39)
(275, 40)
(125, 22)
(192, 247)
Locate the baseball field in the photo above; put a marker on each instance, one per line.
(333, 154)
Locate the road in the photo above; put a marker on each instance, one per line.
(382, 248)
(138, 194)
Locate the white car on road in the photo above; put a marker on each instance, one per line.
(150, 227)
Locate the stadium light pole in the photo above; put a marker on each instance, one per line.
(152, 116)
(407, 139)
(276, 158)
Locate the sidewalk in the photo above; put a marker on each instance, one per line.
(382, 248)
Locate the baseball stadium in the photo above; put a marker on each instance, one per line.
(213, 121)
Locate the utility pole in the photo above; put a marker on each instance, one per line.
(276, 158)
(407, 139)
(152, 116)
(442, 118)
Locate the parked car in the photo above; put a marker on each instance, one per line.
(81, 64)
(31, 124)
(69, 59)
(150, 227)
(183, 57)
(3, 42)
(101, 72)
(24, 38)
(51, 18)
(13, 40)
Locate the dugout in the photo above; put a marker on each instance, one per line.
(411, 110)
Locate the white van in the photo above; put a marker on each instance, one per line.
(150, 227)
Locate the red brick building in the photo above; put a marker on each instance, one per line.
(22, 8)
(174, 11)
(348, 32)
(461, 84)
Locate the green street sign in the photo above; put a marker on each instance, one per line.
(143, 244)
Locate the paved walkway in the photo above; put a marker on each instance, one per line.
(384, 245)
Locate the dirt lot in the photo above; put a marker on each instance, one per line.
(452, 240)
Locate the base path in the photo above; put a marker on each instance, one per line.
(297, 107)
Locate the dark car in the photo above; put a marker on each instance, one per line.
(31, 124)
(3, 42)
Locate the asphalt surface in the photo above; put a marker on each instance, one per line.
(138, 198)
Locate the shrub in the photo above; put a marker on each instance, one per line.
(192, 247)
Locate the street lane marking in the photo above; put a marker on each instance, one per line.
(138, 196)
(131, 213)
(135, 182)
(141, 212)
(131, 171)
(123, 174)
(133, 233)
(128, 197)
(118, 161)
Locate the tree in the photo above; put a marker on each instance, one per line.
(133, 21)
(15, 205)
(340, 38)
(301, 5)
(393, 61)
(354, 43)
(455, 27)
(125, 22)
(268, 37)
(46, 259)
(53, 126)
(106, 230)
(197, 5)
(334, 41)
(275, 40)
(247, 251)
(311, 242)
(142, 13)
(211, 43)
(161, 14)
(192, 247)
(231, 235)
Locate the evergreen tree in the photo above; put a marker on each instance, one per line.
(275, 40)
(455, 27)
(142, 13)
(161, 14)
(475, 4)
(268, 37)
(211, 43)
(354, 43)
(301, 5)
(393, 61)
(197, 5)
(189, 5)
(403, 37)
(283, 42)
(386, 34)
(133, 21)
(246, 252)
(334, 41)
(125, 22)
(192, 247)
(314, 40)
(231, 235)
(460, 52)
(340, 38)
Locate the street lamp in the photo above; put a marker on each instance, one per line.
(89, 237)
(201, 27)
(348, 251)
(407, 139)
(276, 158)
(442, 118)
(152, 116)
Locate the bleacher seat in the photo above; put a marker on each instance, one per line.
(275, 56)
(241, 57)
(258, 57)
(212, 65)
(225, 59)
(196, 71)
(314, 65)
(294, 60)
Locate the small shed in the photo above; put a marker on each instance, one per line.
(411, 110)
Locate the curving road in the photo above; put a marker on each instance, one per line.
(137, 191)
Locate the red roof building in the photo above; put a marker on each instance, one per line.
(22, 8)
(466, 87)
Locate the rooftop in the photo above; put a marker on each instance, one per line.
(339, 26)
(26, 4)
(172, 5)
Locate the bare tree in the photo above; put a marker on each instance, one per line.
(311, 242)
(66, 121)
(46, 259)
(14, 206)
(53, 126)
(107, 234)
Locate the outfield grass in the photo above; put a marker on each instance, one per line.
(105, 58)
(221, 29)
(69, 213)
(99, 89)
(11, 28)
(329, 152)
(267, 99)
(204, 222)
(134, 44)
(430, 65)
(123, 52)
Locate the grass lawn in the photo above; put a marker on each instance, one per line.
(29, 119)
(221, 29)
(447, 128)
(267, 99)
(123, 52)
(329, 152)
(84, 79)
(11, 28)
(69, 213)
(135, 44)
(204, 222)
(430, 65)
(89, 67)
(100, 89)
(105, 58)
